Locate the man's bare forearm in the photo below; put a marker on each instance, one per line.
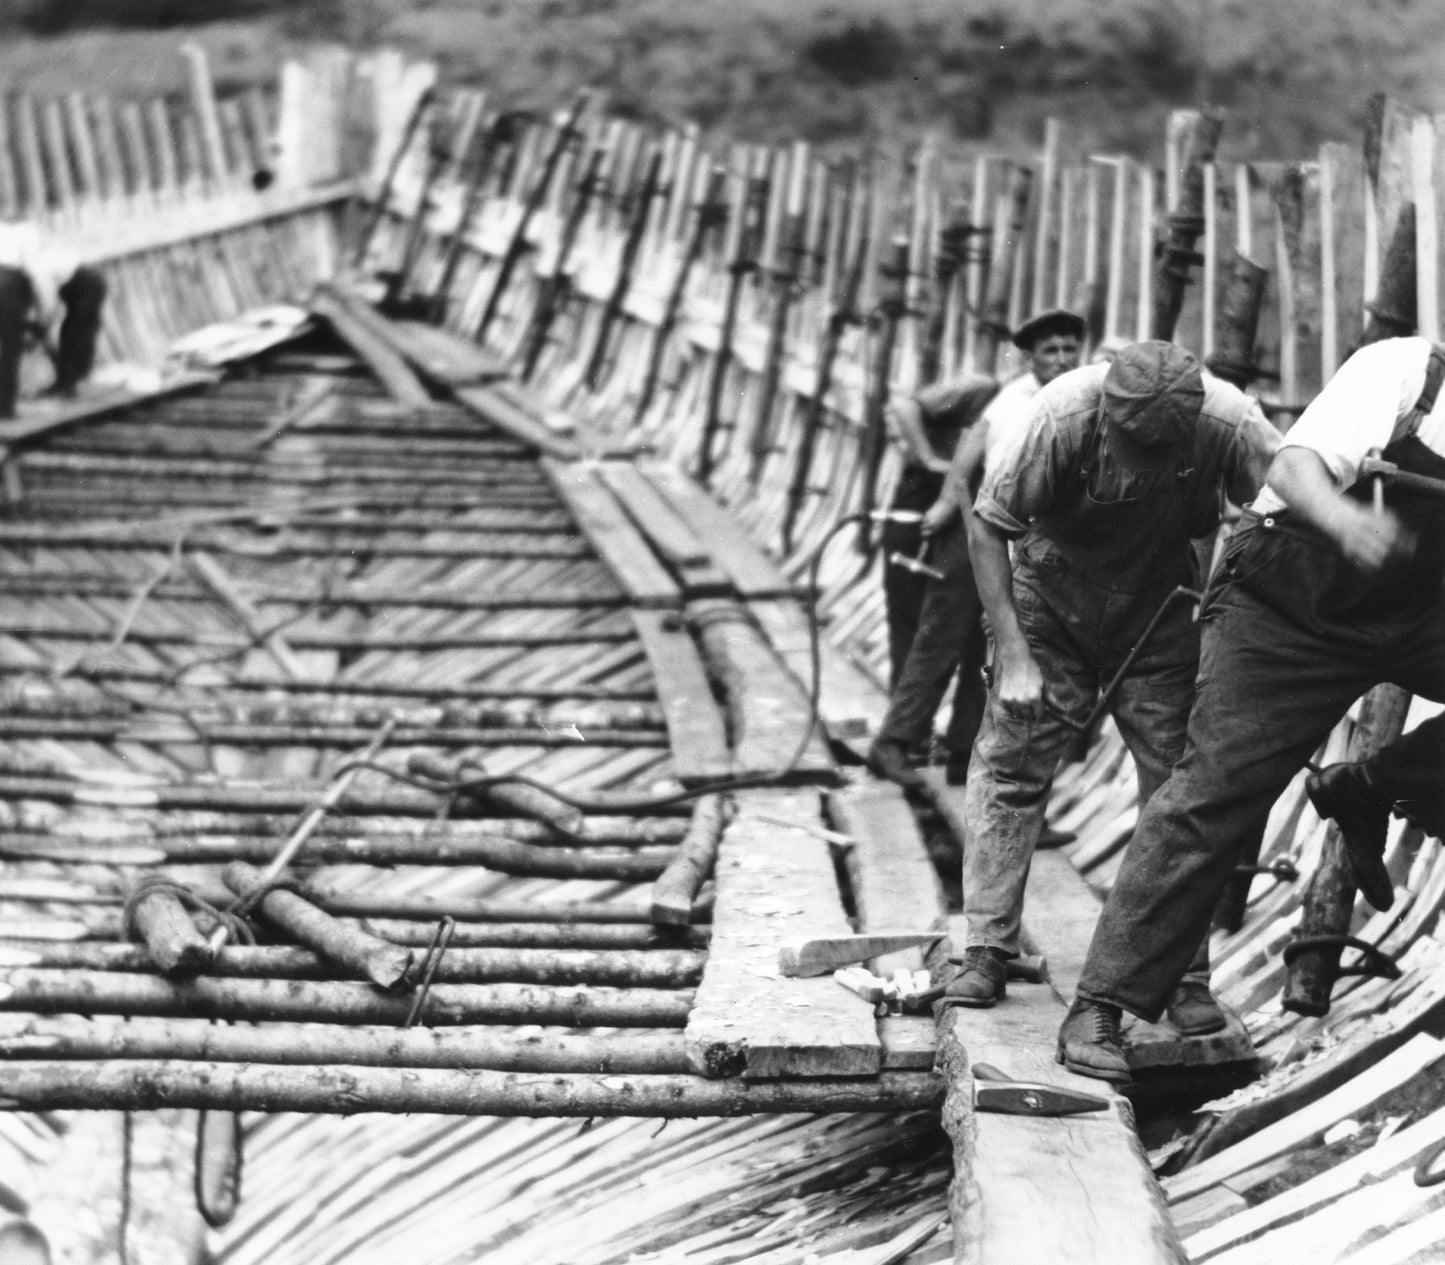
(988, 548)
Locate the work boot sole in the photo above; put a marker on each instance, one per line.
(1201, 1030)
(1087, 1069)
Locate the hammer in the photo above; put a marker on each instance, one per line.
(916, 565)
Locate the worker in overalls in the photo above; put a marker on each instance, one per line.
(1332, 584)
(39, 278)
(1118, 469)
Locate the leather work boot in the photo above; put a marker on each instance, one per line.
(1363, 816)
(1089, 1042)
(890, 760)
(1193, 1011)
(981, 982)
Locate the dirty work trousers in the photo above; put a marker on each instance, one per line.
(1281, 662)
(949, 637)
(1079, 633)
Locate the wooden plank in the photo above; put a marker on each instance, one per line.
(1409, 1060)
(37, 419)
(775, 881)
(611, 534)
(443, 356)
(1029, 1189)
(768, 711)
(498, 409)
(696, 730)
(359, 329)
(671, 536)
(822, 955)
(753, 573)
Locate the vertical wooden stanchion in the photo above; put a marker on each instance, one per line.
(1146, 251)
(240, 162)
(1243, 212)
(114, 177)
(27, 135)
(9, 185)
(1086, 298)
(57, 154)
(135, 151)
(262, 129)
(211, 149)
(82, 145)
(163, 147)
(1114, 303)
(1427, 241)
(1044, 220)
(1210, 278)
(1068, 182)
(1329, 313)
(976, 263)
(1288, 217)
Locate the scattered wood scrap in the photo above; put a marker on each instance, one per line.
(819, 955)
(677, 886)
(358, 325)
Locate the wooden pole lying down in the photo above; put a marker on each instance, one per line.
(126, 1085)
(677, 886)
(68, 1038)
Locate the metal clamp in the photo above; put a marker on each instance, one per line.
(430, 963)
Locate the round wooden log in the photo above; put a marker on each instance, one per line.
(302, 1001)
(539, 935)
(678, 885)
(172, 941)
(143, 1085)
(485, 909)
(385, 965)
(310, 1045)
(165, 731)
(23, 783)
(315, 638)
(618, 968)
(629, 865)
(527, 801)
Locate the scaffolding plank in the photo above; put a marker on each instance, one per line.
(695, 727)
(611, 533)
(776, 882)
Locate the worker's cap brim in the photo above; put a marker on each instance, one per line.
(1056, 320)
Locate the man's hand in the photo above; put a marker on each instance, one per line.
(937, 516)
(1368, 537)
(1018, 680)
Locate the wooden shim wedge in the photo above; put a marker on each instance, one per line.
(677, 886)
(357, 326)
(1103, 1204)
(126, 1085)
(773, 882)
(821, 955)
(620, 545)
(696, 729)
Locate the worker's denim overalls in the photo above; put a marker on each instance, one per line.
(1292, 635)
(1087, 578)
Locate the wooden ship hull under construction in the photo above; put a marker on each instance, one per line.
(467, 446)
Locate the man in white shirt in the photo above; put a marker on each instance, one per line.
(1326, 589)
(37, 278)
(1083, 527)
(949, 635)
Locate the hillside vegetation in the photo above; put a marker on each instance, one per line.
(1289, 72)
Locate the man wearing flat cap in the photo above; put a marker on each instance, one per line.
(1118, 468)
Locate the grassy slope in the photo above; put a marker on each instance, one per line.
(1290, 72)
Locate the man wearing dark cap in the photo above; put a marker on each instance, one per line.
(1331, 585)
(1118, 468)
(948, 634)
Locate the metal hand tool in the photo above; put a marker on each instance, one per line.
(994, 1090)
